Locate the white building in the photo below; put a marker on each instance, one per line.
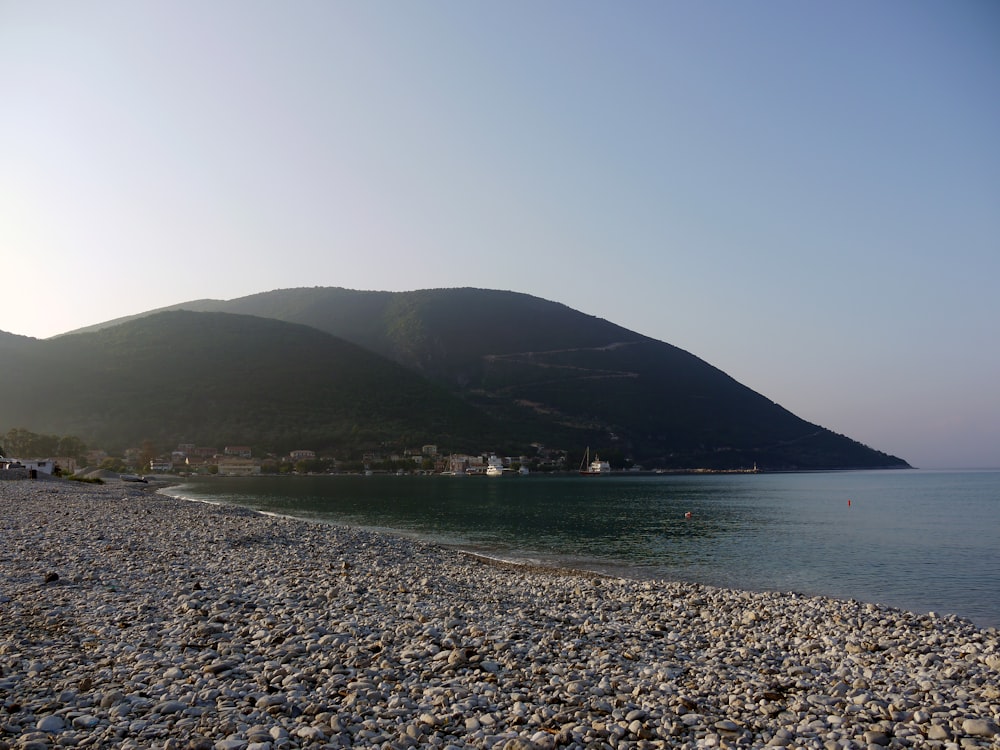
(44, 465)
(237, 466)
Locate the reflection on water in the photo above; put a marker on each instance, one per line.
(920, 540)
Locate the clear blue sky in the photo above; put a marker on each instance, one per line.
(806, 195)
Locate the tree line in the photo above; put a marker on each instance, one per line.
(23, 443)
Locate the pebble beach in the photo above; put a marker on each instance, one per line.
(129, 619)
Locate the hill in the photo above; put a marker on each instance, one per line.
(12, 340)
(217, 379)
(552, 374)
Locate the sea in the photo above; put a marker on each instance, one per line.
(920, 540)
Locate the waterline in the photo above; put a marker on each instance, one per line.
(917, 540)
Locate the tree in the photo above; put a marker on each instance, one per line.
(113, 464)
(71, 446)
(314, 466)
(18, 441)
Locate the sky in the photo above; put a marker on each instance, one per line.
(805, 195)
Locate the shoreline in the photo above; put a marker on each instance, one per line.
(970, 598)
(130, 619)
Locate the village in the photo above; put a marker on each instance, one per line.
(240, 460)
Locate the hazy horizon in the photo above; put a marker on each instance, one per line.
(806, 196)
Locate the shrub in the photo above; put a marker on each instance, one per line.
(87, 480)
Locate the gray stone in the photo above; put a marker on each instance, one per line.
(519, 743)
(51, 724)
(269, 701)
(938, 732)
(169, 707)
(980, 727)
(877, 738)
(310, 734)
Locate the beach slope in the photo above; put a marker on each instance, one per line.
(129, 619)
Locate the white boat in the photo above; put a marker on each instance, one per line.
(593, 468)
(494, 466)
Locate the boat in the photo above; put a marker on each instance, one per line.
(494, 466)
(133, 478)
(593, 468)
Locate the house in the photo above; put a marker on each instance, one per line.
(243, 451)
(238, 466)
(11, 468)
(459, 463)
(302, 455)
(161, 465)
(44, 465)
(197, 463)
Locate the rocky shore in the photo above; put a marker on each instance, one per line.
(132, 620)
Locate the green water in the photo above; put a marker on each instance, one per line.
(915, 539)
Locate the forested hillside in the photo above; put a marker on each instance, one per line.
(537, 371)
(215, 378)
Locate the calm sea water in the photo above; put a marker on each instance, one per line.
(920, 540)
